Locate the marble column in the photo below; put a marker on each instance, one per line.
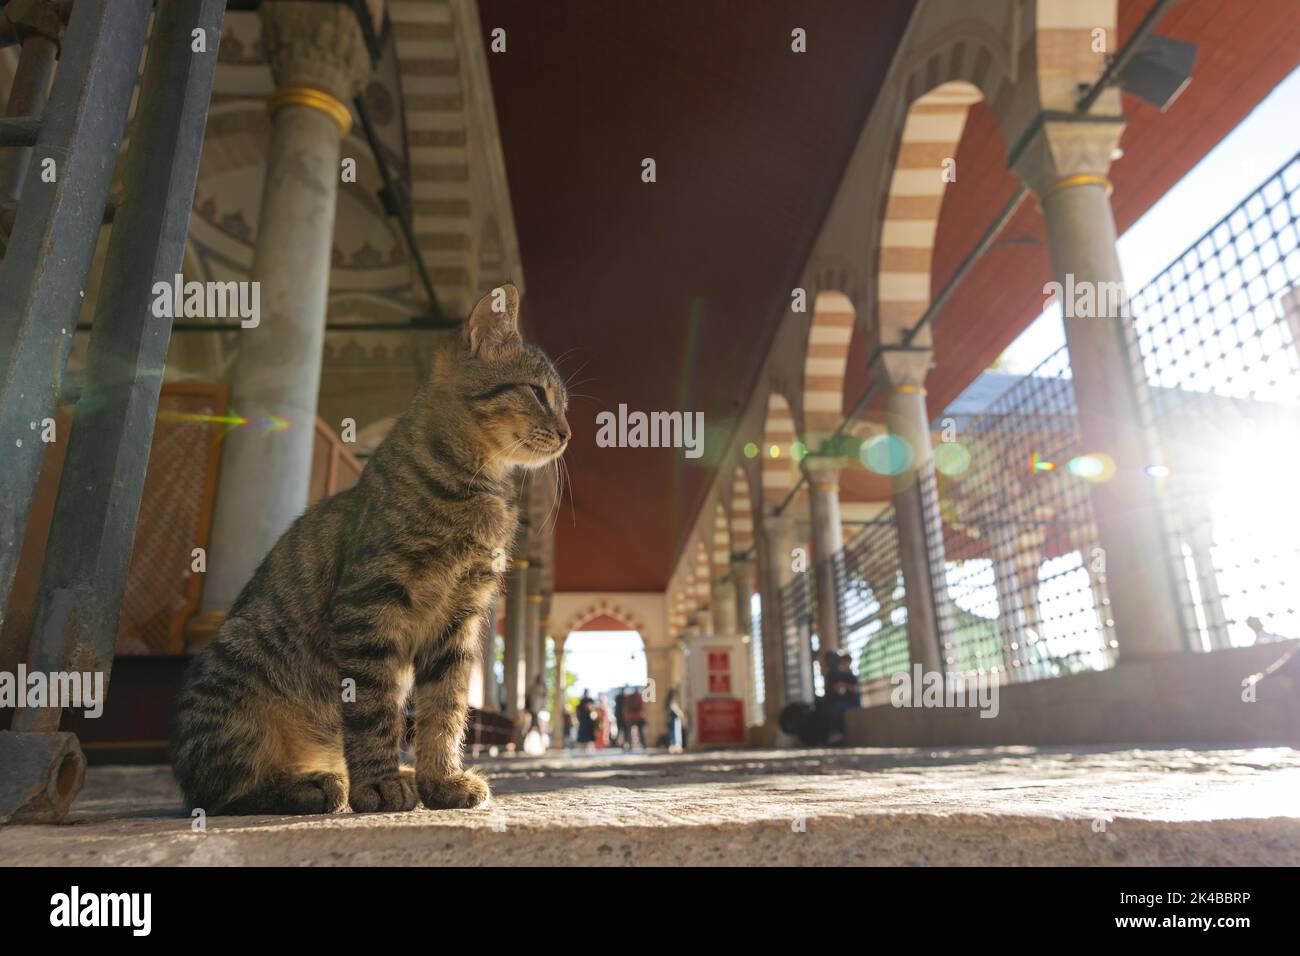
(828, 541)
(488, 658)
(1065, 163)
(516, 636)
(557, 692)
(778, 543)
(902, 371)
(742, 576)
(534, 659)
(722, 606)
(320, 62)
(659, 669)
(686, 692)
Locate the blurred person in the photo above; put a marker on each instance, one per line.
(634, 718)
(586, 721)
(604, 722)
(676, 723)
(620, 722)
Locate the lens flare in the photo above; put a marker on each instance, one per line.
(273, 423)
(886, 454)
(751, 450)
(951, 458)
(1095, 467)
(1085, 466)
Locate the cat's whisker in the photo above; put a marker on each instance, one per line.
(569, 481)
(491, 458)
(549, 524)
(565, 354)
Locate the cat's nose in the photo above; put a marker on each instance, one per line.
(562, 433)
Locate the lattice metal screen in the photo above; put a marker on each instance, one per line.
(1216, 335)
(175, 510)
(1023, 578)
(797, 625)
(873, 612)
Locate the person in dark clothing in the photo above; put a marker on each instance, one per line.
(586, 721)
(841, 692)
(822, 722)
(634, 717)
(620, 720)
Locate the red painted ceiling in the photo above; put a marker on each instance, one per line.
(665, 296)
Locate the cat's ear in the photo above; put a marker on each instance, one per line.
(494, 323)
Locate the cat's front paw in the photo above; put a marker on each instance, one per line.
(386, 794)
(463, 790)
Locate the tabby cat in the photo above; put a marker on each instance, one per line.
(298, 706)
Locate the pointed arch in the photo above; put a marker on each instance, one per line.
(742, 513)
(721, 553)
(931, 131)
(777, 452)
(678, 614)
(703, 579)
(603, 615)
(826, 359)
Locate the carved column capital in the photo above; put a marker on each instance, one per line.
(901, 369)
(824, 470)
(317, 45)
(1069, 152)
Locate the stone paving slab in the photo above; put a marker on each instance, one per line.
(965, 807)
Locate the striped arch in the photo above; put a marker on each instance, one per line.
(603, 611)
(780, 471)
(825, 362)
(742, 513)
(703, 579)
(677, 616)
(931, 132)
(721, 543)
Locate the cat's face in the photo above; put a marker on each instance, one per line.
(511, 390)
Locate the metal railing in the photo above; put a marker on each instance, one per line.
(872, 611)
(1217, 337)
(1021, 578)
(797, 630)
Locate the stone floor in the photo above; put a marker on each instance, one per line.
(973, 807)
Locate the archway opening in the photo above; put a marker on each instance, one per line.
(606, 678)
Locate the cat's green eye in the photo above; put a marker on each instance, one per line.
(541, 395)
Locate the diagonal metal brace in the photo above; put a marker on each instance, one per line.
(53, 240)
